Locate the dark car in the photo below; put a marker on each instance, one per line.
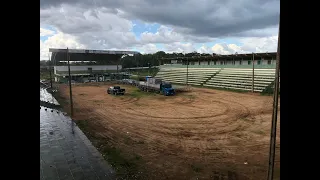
(115, 90)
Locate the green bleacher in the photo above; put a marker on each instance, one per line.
(241, 79)
(196, 76)
(229, 78)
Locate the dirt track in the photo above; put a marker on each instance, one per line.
(192, 135)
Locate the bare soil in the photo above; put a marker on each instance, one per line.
(201, 134)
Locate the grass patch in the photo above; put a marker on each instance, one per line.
(227, 89)
(190, 96)
(137, 104)
(46, 75)
(224, 89)
(137, 93)
(244, 119)
(128, 140)
(196, 168)
(277, 173)
(126, 166)
(259, 132)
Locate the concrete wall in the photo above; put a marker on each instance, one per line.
(203, 62)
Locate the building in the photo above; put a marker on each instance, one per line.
(261, 60)
(86, 65)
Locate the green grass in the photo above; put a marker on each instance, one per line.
(276, 173)
(45, 75)
(224, 89)
(125, 165)
(190, 96)
(244, 119)
(137, 93)
(259, 132)
(196, 168)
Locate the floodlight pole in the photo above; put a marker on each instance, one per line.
(50, 72)
(274, 114)
(117, 71)
(70, 90)
(253, 72)
(187, 70)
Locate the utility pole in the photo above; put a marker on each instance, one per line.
(253, 72)
(274, 114)
(70, 90)
(50, 72)
(187, 69)
(117, 71)
(184, 56)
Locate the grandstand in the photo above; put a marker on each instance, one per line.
(227, 73)
(196, 76)
(87, 65)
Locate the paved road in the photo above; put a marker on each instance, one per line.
(67, 156)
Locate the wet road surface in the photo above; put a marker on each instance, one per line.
(47, 97)
(67, 156)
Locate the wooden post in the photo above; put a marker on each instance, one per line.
(273, 134)
(187, 70)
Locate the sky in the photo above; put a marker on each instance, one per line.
(148, 26)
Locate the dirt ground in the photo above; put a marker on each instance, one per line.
(202, 134)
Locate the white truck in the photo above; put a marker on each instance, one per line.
(156, 85)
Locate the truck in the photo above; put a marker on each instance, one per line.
(115, 90)
(157, 85)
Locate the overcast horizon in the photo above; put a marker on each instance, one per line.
(148, 26)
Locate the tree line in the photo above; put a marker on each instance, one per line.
(144, 60)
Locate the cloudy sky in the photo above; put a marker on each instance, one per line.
(206, 26)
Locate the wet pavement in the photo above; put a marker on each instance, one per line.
(47, 97)
(68, 156)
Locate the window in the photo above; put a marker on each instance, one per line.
(249, 62)
(214, 62)
(233, 62)
(90, 70)
(240, 62)
(221, 63)
(269, 61)
(259, 62)
(225, 62)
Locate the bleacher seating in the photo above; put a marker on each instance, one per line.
(196, 76)
(241, 79)
(230, 78)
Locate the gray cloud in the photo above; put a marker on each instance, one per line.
(211, 18)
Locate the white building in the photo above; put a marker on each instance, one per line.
(86, 64)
